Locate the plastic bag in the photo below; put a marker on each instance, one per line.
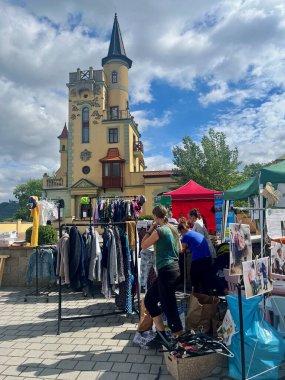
(263, 346)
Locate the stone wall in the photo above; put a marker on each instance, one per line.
(16, 266)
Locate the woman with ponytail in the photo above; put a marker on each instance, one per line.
(167, 247)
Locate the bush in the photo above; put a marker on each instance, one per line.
(145, 217)
(47, 235)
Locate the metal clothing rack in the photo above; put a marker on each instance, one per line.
(45, 290)
(90, 225)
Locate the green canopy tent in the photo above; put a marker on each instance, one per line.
(274, 173)
(243, 190)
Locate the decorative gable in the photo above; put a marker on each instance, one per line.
(83, 184)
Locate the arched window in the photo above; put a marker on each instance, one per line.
(85, 125)
(114, 77)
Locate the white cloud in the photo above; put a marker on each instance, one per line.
(158, 162)
(145, 119)
(258, 132)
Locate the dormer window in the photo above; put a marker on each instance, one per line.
(114, 77)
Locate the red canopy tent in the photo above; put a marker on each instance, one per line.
(191, 195)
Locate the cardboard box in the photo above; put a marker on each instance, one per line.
(194, 368)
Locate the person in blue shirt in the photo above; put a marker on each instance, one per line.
(201, 271)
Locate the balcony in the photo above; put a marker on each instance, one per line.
(112, 182)
(138, 146)
(54, 182)
(117, 114)
(138, 150)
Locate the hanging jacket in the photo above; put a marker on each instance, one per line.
(62, 267)
(45, 266)
(77, 257)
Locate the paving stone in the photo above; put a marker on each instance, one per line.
(32, 372)
(12, 370)
(131, 350)
(3, 368)
(88, 375)
(153, 359)
(68, 375)
(84, 365)
(108, 375)
(127, 376)
(67, 364)
(103, 366)
(141, 368)
(122, 367)
(155, 368)
(50, 373)
(147, 376)
(118, 357)
(135, 358)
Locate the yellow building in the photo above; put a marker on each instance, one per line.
(101, 151)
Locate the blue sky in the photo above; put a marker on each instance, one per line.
(196, 65)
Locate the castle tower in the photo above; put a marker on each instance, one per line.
(100, 150)
(116, 66)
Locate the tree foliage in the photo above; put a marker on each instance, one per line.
(212, 164)
(22, 192)
(252, 169)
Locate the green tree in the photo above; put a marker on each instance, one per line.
(212, 164)
(22, 192)
(252, 169)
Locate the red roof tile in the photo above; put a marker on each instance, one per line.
(158, 173)
(112, 155)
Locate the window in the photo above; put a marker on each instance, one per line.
(116, 169)
(107, 171)
(114, 111)
(63, 148)
(86, 169)
(113, 135)
(85, 125)
(114, 77)
(112, 175)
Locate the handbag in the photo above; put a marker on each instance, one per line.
(146, 320)
(201, 310)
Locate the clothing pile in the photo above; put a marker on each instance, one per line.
(191, 345)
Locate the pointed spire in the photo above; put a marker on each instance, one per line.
(116, 48)
(64, 133)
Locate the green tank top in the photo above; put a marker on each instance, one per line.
(166, 248)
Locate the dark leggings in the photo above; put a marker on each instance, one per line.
(163, 291)
(202, 276)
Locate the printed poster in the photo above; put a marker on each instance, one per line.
(218, 203)
(277, 258)
(240, 247)
(275, 223)
(256, 278)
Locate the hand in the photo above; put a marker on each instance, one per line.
(152, 228)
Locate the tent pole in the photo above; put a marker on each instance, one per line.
(227, 203)
(261, 220)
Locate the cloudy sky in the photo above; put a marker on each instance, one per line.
(196, 64)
